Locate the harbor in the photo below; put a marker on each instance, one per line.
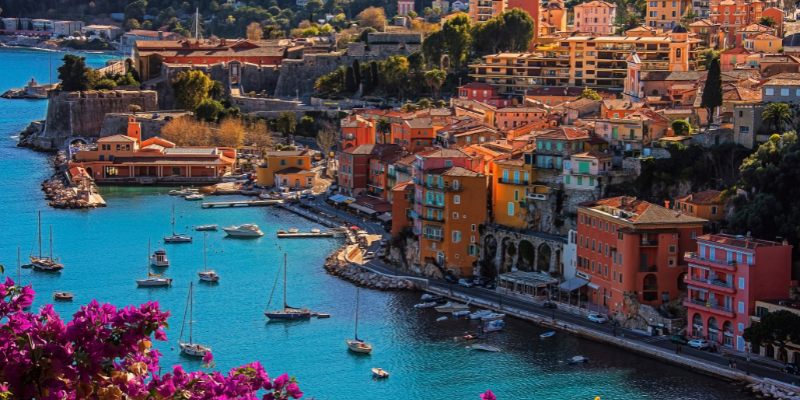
(240, 203)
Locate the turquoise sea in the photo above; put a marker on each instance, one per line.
(104, 251)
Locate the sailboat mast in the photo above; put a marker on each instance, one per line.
(205, 266)
(51, 242)
(284, 281)
(191, 311)
(19, 268)
(147, 264)
(39, 225)
(172, 221)
(358, 292)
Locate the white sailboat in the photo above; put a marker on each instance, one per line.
(207, 275)
(45, 263)
(288, 312)
(358, 345)
(191, 348)
(176, 237)
(153, 280)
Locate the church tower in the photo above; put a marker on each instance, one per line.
(632, 90)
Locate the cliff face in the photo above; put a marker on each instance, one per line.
(80, 114)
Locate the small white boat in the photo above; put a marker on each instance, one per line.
(459, 314)
(293, 230)
(176, 237)
(191, 348)
(480, 314)
(380, 373)
(208, 276)
(578, 360)
(429, 304)
(244, 231)
(154, 280)
(547, 334)
(492, 316)
(202, 228)
(195, 197)
(484, 347)
(159, 259)
(429, 297)
(440, 319)
(315, 230)
(63, 296)
(450, 307)
(494, 325)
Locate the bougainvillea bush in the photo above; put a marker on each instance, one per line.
(106, 352)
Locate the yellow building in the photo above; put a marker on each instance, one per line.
(666, 14)
(554, 15)
(596, 62)
(290, 165)
(510, 180)
(483, 10)
(763, 43)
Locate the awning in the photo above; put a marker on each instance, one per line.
(340, 198)
(361, 208)
(385, 217)
(593, 285)
(573, 284)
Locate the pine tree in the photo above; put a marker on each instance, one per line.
(350, 85)
(357, 72)
(712, 91)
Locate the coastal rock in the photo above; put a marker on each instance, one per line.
(26, 136)
(335, 265)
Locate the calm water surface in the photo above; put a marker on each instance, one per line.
(105, 250)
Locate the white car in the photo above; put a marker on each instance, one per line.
(598, 318)
(466, 283)
(700, 344)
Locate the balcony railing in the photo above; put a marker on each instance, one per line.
(434, 205)
(726, 265)
(431, 237)
(431, 218)
(521, 182)
(707, 304)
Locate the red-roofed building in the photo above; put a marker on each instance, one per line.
(356, 169)
(482, 92)
(357, 130)
(726, 276)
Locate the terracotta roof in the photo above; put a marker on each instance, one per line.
(738, 241)
(521, 110)
(385, 152)
(570, 91)
(294, 170)
(459, 171)
(736, 50)
(704, 197)
(116, 138)
(592, 154)
(478, 85)
(701, 23)
(403, 185)
(756, 28)
(620, 104)
(784, 79)
(638, 211)
(764, 36)
(285, 153)
(518, 161)
(419, 123)
(563, 133)
(596, 3)
(442, 153)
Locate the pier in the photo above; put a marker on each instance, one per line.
(298, 235)
(241, 203)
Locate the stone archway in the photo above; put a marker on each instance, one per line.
(543, 258)
(527, 255)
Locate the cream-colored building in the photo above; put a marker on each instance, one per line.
(595, 16)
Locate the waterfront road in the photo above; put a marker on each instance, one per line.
(755, 366)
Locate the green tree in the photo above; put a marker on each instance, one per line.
(286, 123)
(394, 71)
(307, 126)
(312, 8)
(433, 48)
(191, 88)
(357, 72)
(136, 10)
(424, 103)
(435, 79)
(74, 74)
(590, 94)
(777, 116)
(457, 39)
(708, 56)
(374, 73)
(384, 127)
(767, 21)
(373, 17)
(209, 110)
(331, 84)
(681, 127)
(510, 31)
(712, 91)
(350, 80)
(776, 328)
(105, 84)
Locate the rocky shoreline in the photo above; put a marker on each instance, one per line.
(764, 389)
(62, 194)
(27, 136)
(337, 266)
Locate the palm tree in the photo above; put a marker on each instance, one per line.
(777, 115)
(383, 127)
(435, 79)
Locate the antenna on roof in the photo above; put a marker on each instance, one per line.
(197, 24)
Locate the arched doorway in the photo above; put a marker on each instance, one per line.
(727, 334)
(527, 255)
(543, 257)
(650, 288)
(697, 326)
(505, 263)
(713, 330)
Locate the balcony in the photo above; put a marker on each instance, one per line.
(520, 182)
(432, 237)
(723, 265)
(700, 304)
(431, 218)
(710, 284)
(649, 243)
(433, 205)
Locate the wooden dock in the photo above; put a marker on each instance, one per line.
(242, 203)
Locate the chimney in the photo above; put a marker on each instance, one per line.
(666, 203)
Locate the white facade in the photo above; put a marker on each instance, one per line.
(570, 256)
(66, 28)
(584, 171)
(108, 32)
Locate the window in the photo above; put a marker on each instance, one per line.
(457, 199)
(283, 162)
(456, 236)
(769, 91)
(510, 208)
(672, 249)
(455, 215)
(448, 163)
(740, 326)
(472, 227)
(713, 210)
(300, 162)
(740, 310)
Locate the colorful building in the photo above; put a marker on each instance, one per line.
(483, 93)
(763, 43)
(595, 16)
(402, 207)
(734, 15)
(789, 352)
(358, 174)
(514, 117)
(631, 248)
(414, 134)
(483, 10)
(587, 170)
(404, 6)
(707, 204)
(291, 165)
(129, 159)
(357, 130)
(554, 15)
(666, 14)
(727, 275)
(510, 180)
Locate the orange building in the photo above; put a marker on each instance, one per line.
(128, 159)
(734, 15)
(483, 10)
(358, 174)
(666, 14)
(293, 166)
(510, 180)
(356, 130)
(554, 15)
(402, 206)
(532, 7)
(414, 134)
(777, 15)
(629, 247)
(513, 117)
(707, 204)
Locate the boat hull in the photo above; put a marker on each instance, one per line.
(360, 347)
(177, 239)
(287, 316)
(154, 282)
(243, 235)
(194, 350)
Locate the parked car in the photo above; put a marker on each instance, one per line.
(549, 304)
(679, 339)
(700, 344)
(369, 255)
(465, 283)
(598, 318)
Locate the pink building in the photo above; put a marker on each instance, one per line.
(726, 276)
(482, 92)
(595, 16)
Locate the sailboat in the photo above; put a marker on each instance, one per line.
(207, 275)
(288, 312)
(41, 263)
(176, 237)
(153, 280)
(190, 348)
(357, 345)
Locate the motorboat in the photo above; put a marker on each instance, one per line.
(461, 313)
(429, 297)
(287, 313)
(244, 231)
(208, 276)
(442, 318)
(63, 296)
(494, 325)
(358, 345)
(202, 228)
(176, 237)
(159, 259)
(315, 230)
(380, 373)
(578, 360)
(479, 314)
(183, 192)
(484, 347)
(547, 334)
(191, 348)
(492, 316)
(195, 197)
(293, 230)
(429, 304)
(153, 280)
(451, 306)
